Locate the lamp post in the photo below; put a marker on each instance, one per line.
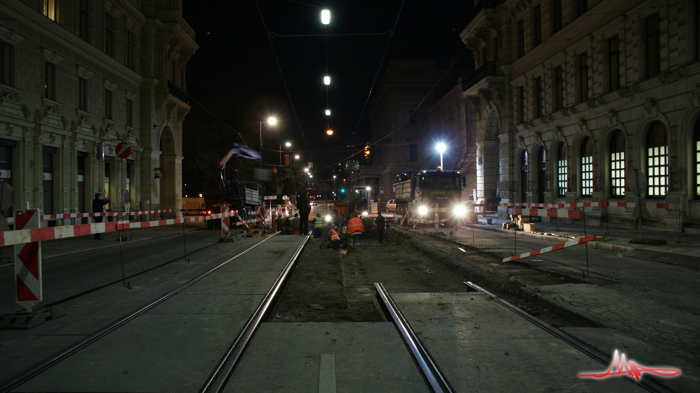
(441, 148)
(271, 121)
(333, 187)
(306, 179)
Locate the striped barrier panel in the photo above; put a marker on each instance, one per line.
(654, 205)
(225, 221)
(551, 248)
(555, 213)
(454, 229)
(104, 214)
(28, 277)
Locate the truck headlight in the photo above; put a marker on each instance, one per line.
(328, 218)
(423, 210)
(460, 211)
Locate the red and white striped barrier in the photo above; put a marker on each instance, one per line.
(104, 214)
(28, 277)
(551, 248)
(454, 229)
(225, 221)
(560, 213)
(653, 205)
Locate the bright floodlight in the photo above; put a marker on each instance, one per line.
(441, 147)
(271, 120)
(288, 144)
(296, 156)
(368, 188)
(326, 80)
(306, 169)
(329, 131)
(328, 112)
(325, 17)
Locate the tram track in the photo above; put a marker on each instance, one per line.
(57, 358)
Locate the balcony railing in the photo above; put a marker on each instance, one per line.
(488, 69)
(177, 92)
(483, 4)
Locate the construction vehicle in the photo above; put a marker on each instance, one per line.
(427, 188)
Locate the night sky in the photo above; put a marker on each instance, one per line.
(235, 52)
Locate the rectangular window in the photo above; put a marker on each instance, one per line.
(108, 104)
(6, 64)
(613, 64)
(537, 102)
(587, 176)
(50, 9)
(617, 173)
(173, 71)
(561, 178)
(521, 38)
(653, 44)
(582, 77)
(47, 164)
(697, 169)
(536, 25)
(109, 35)
(129, 113)
(81, 181)
(557, 18)
(50, 81)
(6, 147)
(130, 50)
(581, 7)
(657, 158)
(413, 152)
(82, 94)
(83, 19)
(558, 89)
(521, 105)
(495, 49)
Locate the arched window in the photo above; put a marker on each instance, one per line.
(657, 161)
(587, 167)
(561, 170)
(523, 177)
(541, 175)
(617, 164)
(696, 158)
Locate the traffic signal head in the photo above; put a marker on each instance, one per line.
(342, 191)
(286, 159)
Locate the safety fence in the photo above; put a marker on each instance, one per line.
(50, 217)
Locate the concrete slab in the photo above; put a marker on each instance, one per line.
(154, 353)
(235, 283)
(481, 346)
(368, 357)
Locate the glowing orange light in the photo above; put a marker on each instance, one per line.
(329, 132)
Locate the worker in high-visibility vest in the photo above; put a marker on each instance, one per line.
(356, 227)
(335, 238)
(318, 226)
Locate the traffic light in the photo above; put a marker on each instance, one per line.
(367, 152)
(342, 191)
(286, 159)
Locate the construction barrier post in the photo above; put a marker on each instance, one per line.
(225, 223)
(437, 218)
(28, 277)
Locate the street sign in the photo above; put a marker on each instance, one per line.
(123, 150)
(269, 197)
(279, 190)
(127, 196)
(636, 182)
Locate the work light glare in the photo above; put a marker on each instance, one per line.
(325, 17)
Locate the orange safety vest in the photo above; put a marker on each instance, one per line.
(334, 235)
(355, 225)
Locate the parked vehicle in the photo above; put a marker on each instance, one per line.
(391, 206)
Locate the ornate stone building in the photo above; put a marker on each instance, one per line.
(574, 95)
(79, 77)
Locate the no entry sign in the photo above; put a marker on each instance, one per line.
(123, 150)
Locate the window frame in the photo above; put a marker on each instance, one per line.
(652, 45)
(83, 94)
(617, 164)
(562, 170)
(583, 80)
(109, 35)
(536, 25)
(50, 9)
(586, 167)
(652, 164)
(50, 74)
(129, 112)
(7, 64)
(613, 82)
(83, 20)
(538, 95)
(557, 16)
(109, 104)
(521, 38)
(558, 86)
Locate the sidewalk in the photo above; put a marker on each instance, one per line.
(680, 249)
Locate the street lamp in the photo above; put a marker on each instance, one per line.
(333, 187)
(441, 148)
(306, 178)
(271, 121)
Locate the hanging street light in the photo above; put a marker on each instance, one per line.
(441, 148)
(326, 80)
(271, 121)
(325, 17)
(329, 132)
(328, 112)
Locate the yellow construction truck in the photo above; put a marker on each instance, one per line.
(428, 188)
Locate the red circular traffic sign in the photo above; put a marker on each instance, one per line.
(123, 150)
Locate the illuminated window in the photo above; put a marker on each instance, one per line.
(657, 161)
(50, 9)
(587, 167)
(696, 148)
(617, 165)
(523, 177)
(561, 170)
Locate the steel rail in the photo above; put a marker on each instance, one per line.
(57, 358)
(218, 378)
(428, 367)
(650, 386)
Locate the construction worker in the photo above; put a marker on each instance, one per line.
(335, 238)
(356, 227)
(379, 224)
(318, 226)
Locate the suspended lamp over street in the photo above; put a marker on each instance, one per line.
(272, 120)
(325, 17)
(328, 112)
(296, 156)
(288, 144)
(326, 80)
(441, 148)
(329, 132)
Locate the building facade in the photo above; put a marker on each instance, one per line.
(574, 96)
(76, 79)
